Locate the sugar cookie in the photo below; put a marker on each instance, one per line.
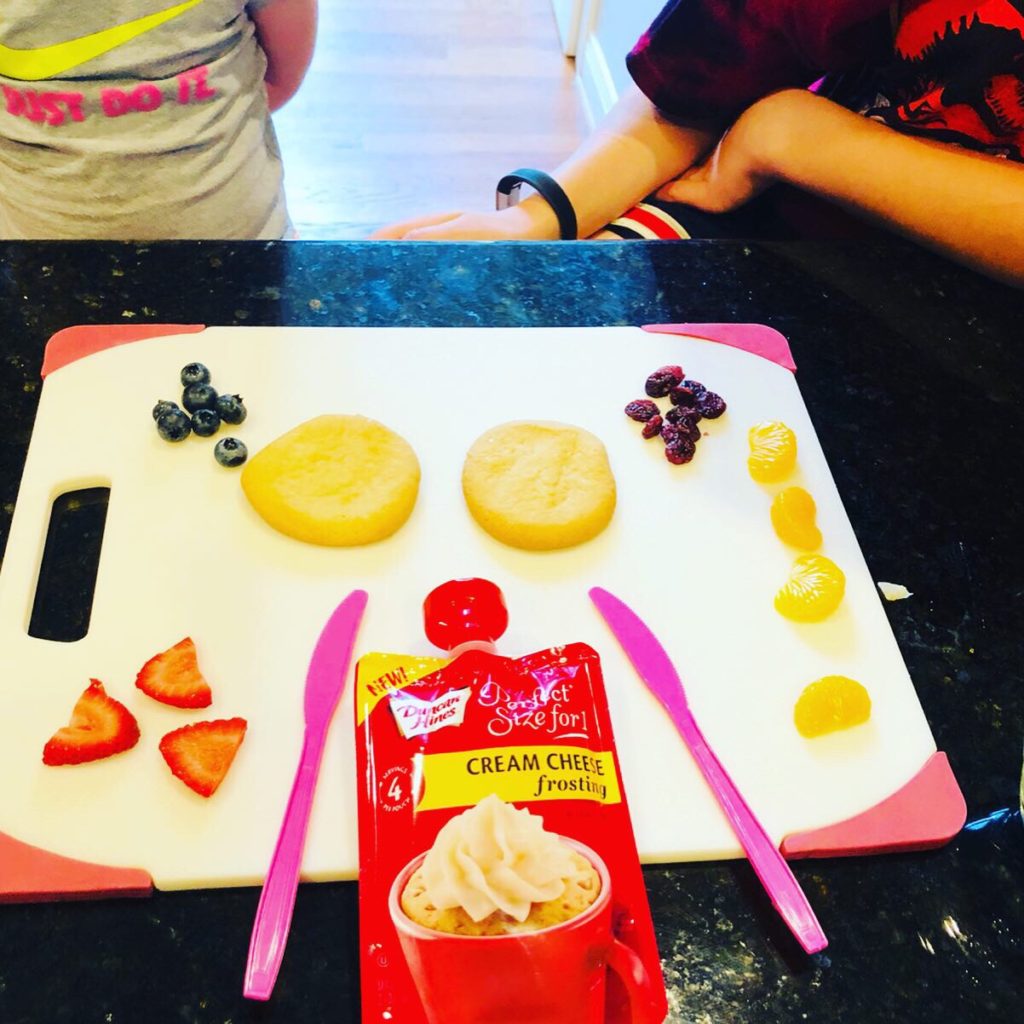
(334, 480)
(539, 485)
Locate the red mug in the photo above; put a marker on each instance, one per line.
(555, 975)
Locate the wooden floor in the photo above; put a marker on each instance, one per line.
(413, 106)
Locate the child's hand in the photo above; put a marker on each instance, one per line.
(528, 221)
(738, 168)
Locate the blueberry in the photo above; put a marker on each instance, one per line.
(231, 409)
(199, 396)
(164, 406)
(174, 426)
(205, 422)
(194, 373)
(229, 451)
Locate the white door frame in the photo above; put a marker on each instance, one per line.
(593, 75)
(569, 17)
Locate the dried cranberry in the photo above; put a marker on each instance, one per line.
(687, 417)
(695, 386)
(711, 406)
(663, 380)
(680, 451)
(683, 396)
(641, 410)
(689, 428)
(670, 433)
(652, 428)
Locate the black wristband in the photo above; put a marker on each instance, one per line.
(547, 188)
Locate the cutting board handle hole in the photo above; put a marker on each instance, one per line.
(67, 576)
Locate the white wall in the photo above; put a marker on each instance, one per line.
(611, 29)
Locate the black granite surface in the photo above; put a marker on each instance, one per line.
(912, 371)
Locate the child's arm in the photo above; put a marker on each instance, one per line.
(286, 30)
(701, 63)
(964, 204)
(630, 153)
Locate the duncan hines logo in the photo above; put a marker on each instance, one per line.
(417, 717)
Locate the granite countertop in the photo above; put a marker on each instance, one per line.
(912, 372)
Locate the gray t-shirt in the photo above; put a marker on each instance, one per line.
(136, 119)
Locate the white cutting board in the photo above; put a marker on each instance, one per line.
(691, 548)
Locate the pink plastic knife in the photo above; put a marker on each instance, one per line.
(658, 673)
(325, 681)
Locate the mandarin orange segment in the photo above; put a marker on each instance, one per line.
(793, 513)
(815, 588)
(830, 704)
(772, 451)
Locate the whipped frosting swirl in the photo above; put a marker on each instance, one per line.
(495, 857)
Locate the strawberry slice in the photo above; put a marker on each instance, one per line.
(100, 726)
(173, 677)
(201, 754)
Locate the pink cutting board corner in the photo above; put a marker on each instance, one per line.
(74, 343)
(31, 875)
(758, 339)
(927, 812)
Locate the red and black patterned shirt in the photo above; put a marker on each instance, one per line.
(950, 70)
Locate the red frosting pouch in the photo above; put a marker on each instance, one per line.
(499, 879)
